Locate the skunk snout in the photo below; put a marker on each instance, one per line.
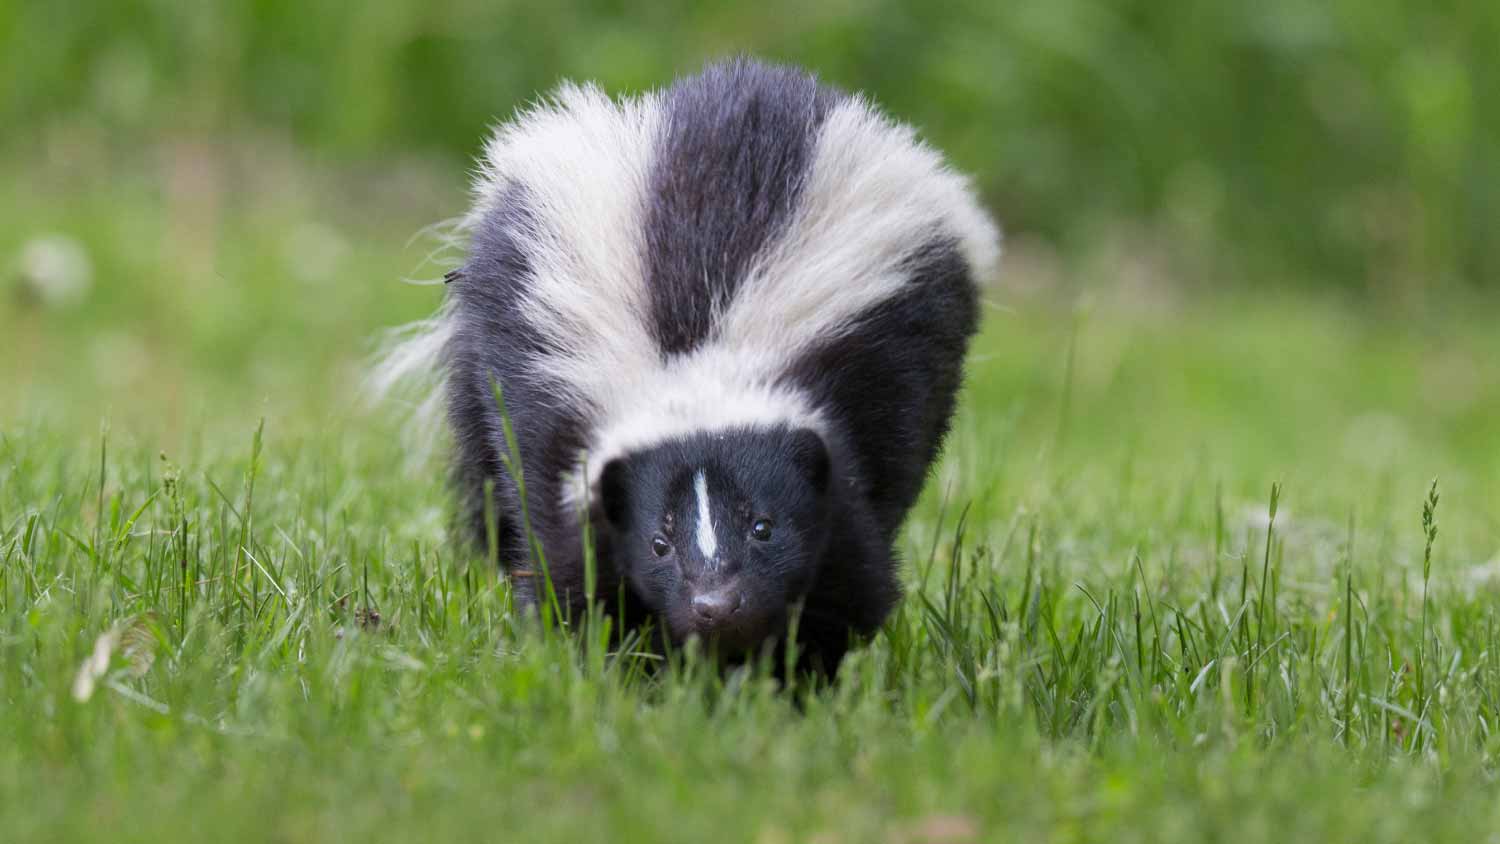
(725, 610)
(716, 606)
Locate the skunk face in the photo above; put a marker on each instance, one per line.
(720, 534)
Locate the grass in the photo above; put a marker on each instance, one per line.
(1178, 576)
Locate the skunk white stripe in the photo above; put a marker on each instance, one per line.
(708, 540)
(710, 391)
(875, 194)
(582, 162)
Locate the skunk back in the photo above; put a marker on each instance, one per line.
(746, 249)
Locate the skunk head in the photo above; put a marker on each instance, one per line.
(719, 534)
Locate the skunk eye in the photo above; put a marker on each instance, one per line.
(660, 546)
(761, 530)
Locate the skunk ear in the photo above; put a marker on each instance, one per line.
(614, 492)
(810, 455)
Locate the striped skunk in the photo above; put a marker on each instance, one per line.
(728, 321)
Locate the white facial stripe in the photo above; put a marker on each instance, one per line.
(708, 541)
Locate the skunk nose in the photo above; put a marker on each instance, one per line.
(715, 606)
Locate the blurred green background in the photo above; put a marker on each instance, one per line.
(1348, 144)
(219, 198)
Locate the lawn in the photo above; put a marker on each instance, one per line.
(1172, 579)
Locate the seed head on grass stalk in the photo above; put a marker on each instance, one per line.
(1429, 528)
(1260, 609)
(1430, 531)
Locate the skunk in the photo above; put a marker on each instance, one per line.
(727, 323)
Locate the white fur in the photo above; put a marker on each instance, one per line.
(874, 193)
(408, 360)
(584, 162)
(410, 364)
(708, 538)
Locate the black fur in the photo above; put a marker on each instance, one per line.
(494, 346)
(893, 380)
(733, 156)
(732, 159)
(781, 475)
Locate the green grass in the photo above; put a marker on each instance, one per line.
(1107, 634)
